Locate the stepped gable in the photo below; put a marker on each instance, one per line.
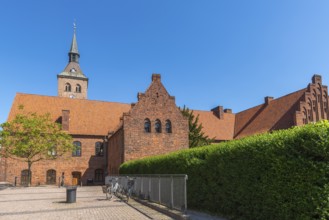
(86, 117)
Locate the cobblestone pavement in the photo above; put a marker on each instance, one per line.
(49, 202)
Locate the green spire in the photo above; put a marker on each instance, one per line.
(73, 67)
(74, 52)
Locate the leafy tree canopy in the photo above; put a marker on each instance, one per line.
(196, 135)
(31, 137)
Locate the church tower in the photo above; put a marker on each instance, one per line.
(72, 83)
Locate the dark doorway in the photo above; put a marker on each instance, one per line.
(25, 177)
(76, 178)
(99, 175)
(51, 177)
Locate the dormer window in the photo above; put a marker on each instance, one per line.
(67, 87)
(73, 70)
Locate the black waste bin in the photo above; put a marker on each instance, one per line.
(71, 194)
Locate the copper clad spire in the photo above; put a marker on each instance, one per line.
(74, 52)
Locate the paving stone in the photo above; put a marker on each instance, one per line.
(50, 203)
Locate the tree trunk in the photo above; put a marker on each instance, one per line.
(29, 174)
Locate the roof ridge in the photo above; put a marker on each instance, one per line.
(84, 100)
(274, 100)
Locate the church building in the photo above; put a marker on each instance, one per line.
(106, 134)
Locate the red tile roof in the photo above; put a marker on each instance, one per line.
(220, 129)
(87, 117)
(278, 114)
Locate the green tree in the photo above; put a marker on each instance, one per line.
(196, 135)
(31, 138)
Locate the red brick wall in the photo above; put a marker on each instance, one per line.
(86, 164)
(2, 169)
(155, 104)
(115, 152)
(73, 82)
(314, 105)
(132, 142)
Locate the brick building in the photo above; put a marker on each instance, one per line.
(106, 134)
(301, 107)
(153, 126)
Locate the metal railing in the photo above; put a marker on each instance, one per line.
(166, 189)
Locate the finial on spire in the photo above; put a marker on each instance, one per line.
(74, 53)
(74, 25)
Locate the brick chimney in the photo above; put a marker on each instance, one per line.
(65, 120)
(316, 79)
(140, 95)
(228, 110)
(268, 99)
(218, 112)
(156, 77)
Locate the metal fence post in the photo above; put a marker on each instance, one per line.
(159, 189)
(172, 192)
(150, 189)
(185, 207)
(142, 187)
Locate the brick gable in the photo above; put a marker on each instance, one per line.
(154, 104)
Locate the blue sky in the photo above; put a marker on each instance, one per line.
(209, 53)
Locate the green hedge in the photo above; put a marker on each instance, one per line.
(282, 175)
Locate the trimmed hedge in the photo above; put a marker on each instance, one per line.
(281, 175)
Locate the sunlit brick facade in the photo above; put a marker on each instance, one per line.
(108, 133)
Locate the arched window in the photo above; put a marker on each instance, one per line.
(310, 110)
(168, 126)
(325, 107)
(99, 149)
(305, 116)
(99, 175)
(67, 87)
(325, 102)
(147, 125)
(319, 92)
(52, 151)
(77, 149)
(157, 126)
(78, 88)
(51, 177)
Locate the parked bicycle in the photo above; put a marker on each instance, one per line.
(130, 183)
(111, 189)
